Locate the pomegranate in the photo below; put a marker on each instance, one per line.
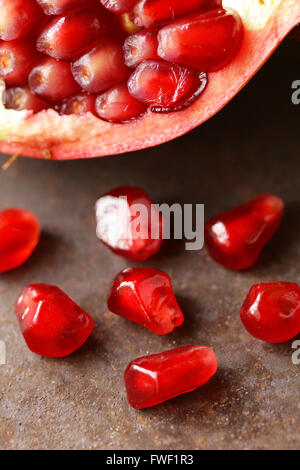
(236, 238)
(19, 234)
(145, 296)
(153, 379)
(129, 224)
(51, 323)
(202, 55)
(271, 311)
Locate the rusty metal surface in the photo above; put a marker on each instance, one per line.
(79, 402)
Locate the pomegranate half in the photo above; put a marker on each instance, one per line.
(48, 134)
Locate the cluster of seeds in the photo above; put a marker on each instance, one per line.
(54, 326)
(113, 58)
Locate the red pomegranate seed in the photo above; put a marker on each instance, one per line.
(271, 311)
(118, 6)
(67, 36)
(207, 41)
(151, 380)
(52, 80)
(19, 234)
(129, 224)
(77, 104)
(51, 323)
(18, 18)
(21, 98)
(236, 237)
(145, 296)
(101, 68)
(117, 105)
(139, 47)
(16, 60)
(165, 87)
(57, 7)
(153, 13)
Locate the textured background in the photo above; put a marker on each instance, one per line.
(79, 402)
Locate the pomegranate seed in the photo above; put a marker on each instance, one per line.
(77, 104)
(19, 234)
(165, 87)
(57, 7)
(145, 296)
(51, 323)
(271, 311)
(236, 237)
(52, 80)
(151, 380)
(127, 26)
(118, 6)
(18, 18)
(124, 224)
(117, 105)
(139, 47)
(153, 13)
(207, 41)
(21, 98)
(101, 68)
(65, 37)
(16, 60)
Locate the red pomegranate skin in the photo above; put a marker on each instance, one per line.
(271, 311)
(136, 240)
(151, 380)
(236, 238)
(51, 323)
(19, 234)
(145, 296)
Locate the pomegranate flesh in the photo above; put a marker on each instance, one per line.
(206, 51)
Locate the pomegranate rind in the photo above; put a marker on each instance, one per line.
(49, 135)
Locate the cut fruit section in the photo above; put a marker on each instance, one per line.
(265, 25)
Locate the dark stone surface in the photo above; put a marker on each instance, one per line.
(79, 402)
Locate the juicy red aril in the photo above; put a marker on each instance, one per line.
(19, 234)
(151, 380)
(16, 60)
(153, 13)
(51, 323)
(165, 87)
(65, 37)
(21, 98)
(139, 47)
(145, 296)
(100, 68)
(271, 311)
(236, 237)
(129, 224)
(207, 41)
(117, 105)
(118, 6)
(77, 104)
(52, 80)
(57, 7)
(18, 18)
